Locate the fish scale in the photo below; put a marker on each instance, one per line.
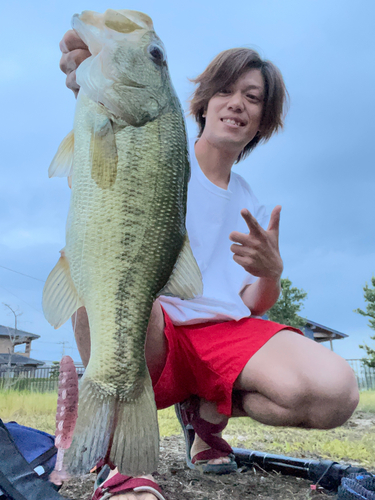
(126, 240)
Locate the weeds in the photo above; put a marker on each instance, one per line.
(354, 442)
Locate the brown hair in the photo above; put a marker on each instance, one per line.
(224, 71)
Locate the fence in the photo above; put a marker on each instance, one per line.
(32, 379)
(46, 379)
(365, 375)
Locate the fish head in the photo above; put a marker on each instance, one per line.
(127, 71)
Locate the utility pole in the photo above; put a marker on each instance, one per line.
(12, 338)
(63, 343)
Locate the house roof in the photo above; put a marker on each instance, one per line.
(5, 331)
(19, 360)
(323, 333)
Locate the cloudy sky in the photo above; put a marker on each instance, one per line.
(320, 169)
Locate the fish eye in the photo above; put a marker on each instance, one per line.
(156, 53)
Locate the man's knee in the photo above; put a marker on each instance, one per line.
(333, 402)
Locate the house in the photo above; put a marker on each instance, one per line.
(321, 333)
(9, 338)
(18, 362)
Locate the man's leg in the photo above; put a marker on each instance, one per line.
(291, 381)
(294, 381)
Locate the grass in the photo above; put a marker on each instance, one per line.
(367, 402)
(354, 442)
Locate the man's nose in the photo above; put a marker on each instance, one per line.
(236, 103)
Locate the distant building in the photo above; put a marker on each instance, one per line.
(321, 333)
(9, 338)
(18, 362)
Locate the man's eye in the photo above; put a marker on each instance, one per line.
(252, 97)
(224, 91)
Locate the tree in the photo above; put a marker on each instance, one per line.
(289, 304)
(369, 295)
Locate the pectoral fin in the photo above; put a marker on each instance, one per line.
(60, 298)
(186, 279)
(103, 151)
(62, 163)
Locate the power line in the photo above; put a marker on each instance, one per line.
(32, 307)
(22, 274)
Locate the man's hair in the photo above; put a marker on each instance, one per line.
(224, 71)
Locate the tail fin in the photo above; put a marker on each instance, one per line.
(135, 447)
(126, 432)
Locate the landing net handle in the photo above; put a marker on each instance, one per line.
(326, 473)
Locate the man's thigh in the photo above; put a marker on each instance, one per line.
(290, 369)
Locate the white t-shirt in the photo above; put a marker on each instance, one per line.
(212, 214)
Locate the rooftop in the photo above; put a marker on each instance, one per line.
(5, 331)
(18, 360)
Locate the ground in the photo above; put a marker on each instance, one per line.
(179, 482)
(353, 443)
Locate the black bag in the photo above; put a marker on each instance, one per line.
(27, 457)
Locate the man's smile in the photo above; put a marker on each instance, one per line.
(234, 122)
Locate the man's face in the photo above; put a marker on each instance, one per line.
(234, 114)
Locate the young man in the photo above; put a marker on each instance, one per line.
(214, 347)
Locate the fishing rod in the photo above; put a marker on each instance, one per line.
(325, 473)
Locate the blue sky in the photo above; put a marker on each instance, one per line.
(320, 169)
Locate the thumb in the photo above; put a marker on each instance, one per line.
(275, 219)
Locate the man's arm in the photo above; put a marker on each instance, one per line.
(258, 253)
(261, 295)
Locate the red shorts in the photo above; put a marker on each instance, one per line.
(205, 359)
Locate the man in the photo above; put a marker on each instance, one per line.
(214, 347)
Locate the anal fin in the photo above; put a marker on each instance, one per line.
(60, 298)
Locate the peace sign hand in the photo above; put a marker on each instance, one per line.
(258, 252)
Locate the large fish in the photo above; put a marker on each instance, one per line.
(126, 241)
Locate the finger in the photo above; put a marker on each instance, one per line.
(240, 250)
(242, 261)
(241, 238)
(71, 82)
(70, 61)
(251, 222)
(72, 41)
(275, 219)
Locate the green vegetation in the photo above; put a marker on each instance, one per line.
(29, 408)
(369, 294)
(354, 442)
(289, 304)
(367, 402)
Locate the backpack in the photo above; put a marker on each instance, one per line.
(27, 457)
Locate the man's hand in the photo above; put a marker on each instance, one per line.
(258, 252)
(74, 51)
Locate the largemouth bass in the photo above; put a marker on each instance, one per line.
(126, 240)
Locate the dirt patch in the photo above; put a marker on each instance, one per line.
(178, 482)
